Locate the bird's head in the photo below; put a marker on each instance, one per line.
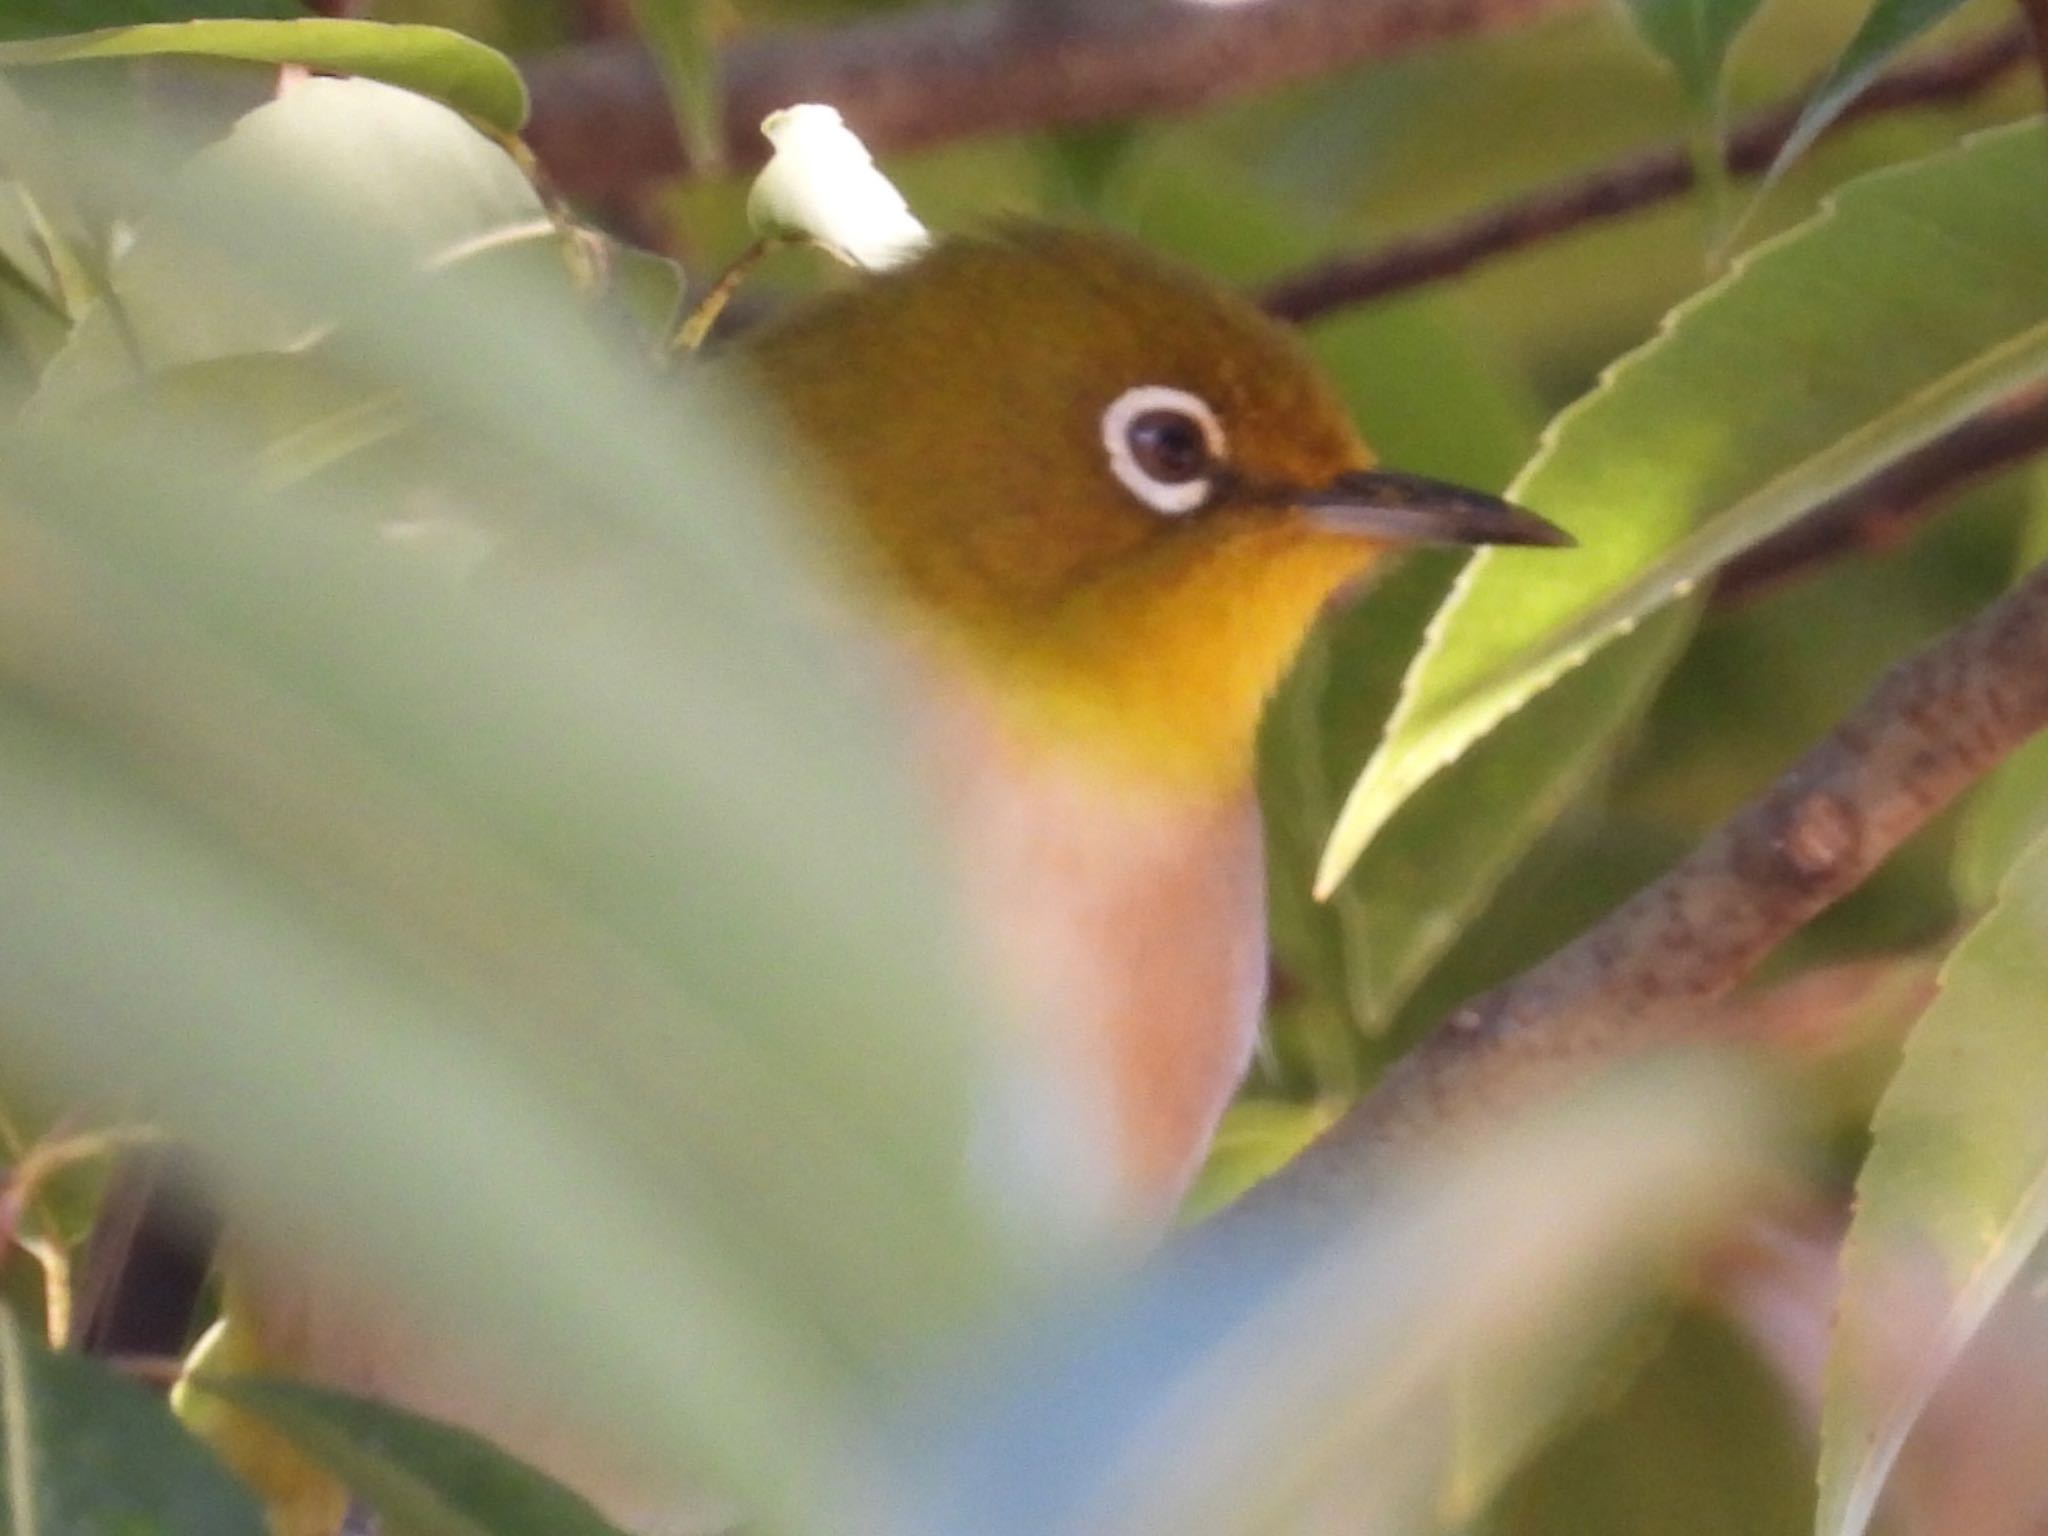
(1111, 487)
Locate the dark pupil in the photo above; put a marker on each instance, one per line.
(1169, 446)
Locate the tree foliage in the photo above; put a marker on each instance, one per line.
(428, 792)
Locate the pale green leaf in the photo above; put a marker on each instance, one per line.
(40, 18)
(568, 944)
(1952, 1200)
(1888, 28)
(1915, 298)
(88, 1454)
(420, 1477)
(1265, 1379)
(405, 171)
(1693, 37)
(457, 71)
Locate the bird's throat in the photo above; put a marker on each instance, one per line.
(1159, 673)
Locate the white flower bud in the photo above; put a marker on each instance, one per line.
(821, 185)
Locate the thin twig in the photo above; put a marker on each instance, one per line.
(689, 336)
(1885, 509)
(945, 72)
(1621, 187)
(1650, 972)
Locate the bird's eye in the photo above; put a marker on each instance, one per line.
(1164, 445)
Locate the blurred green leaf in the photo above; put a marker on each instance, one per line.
(1698, 1440)
(681, 37)
(1952, 1200)
(420, 1477)
(1888, 28)
(445, 66)
(88, 1454)
(1917, 297)
(411, 174)
(1275, 1375)
(1693, 37)
(586, 906)
(40, 18)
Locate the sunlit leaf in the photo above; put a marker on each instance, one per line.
(421, 1478)
(1952, 1201)
(458, 71)
(88, 1454)
(1915, 298)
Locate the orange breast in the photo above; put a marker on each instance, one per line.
(1130, 926)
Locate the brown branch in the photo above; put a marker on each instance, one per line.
(2035, 13)
(1622, 187)
(1650, 972)
(943, 72)
(1884, 510)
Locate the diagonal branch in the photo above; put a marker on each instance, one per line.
(1622, 187)
(1648, 973)
(1882, 511)
(601, 124)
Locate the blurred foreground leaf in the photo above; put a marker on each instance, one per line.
(562, 941)
(421, 1478)
(40, 18)
(1952, 1201)
(88, 1454)
(1274, 1374)
(1915, 298)
(413, 176)
(458, 71)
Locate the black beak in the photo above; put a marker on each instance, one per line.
(1408, 509)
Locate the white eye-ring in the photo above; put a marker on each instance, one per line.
(1165, 445)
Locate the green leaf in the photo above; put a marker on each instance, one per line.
(681, 37)
(89, 1454)
(1257, 1138)
(2007, 812)
(1260, 1372)
(1953, 1196)
(1693, 37)
(1699, 1441)
(458, 71)
(41, 18)
(420, 1477)
(405, 171)
(1915, 298)
(558, 953)
(1888, 28)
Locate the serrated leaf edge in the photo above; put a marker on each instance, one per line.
(1394, 787)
